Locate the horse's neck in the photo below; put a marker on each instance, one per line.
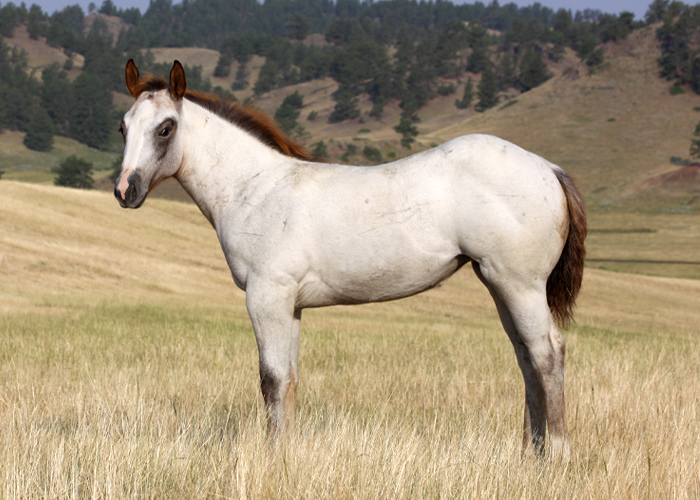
(222, 163)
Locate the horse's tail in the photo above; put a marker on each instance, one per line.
(564, 282)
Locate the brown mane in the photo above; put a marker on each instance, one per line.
(246, 117)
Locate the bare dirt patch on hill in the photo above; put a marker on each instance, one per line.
(40, 54)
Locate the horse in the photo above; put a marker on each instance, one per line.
(299, 233)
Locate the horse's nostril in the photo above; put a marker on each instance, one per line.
(130, 194)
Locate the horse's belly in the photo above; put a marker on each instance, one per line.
(374, 284)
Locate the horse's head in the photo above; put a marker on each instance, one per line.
(152, 146)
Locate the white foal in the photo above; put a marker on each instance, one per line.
(299, 233)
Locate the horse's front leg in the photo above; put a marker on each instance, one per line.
(276, 324)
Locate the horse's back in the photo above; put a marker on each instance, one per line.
(358, 234)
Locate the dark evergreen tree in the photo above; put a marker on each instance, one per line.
(467, 96)
(487, 90)
(90, 121)
(39, 136)
(596, 58)
(586, 46)
(345, 106)
(505, 71)
(408, 131)
(533, 70)
(344, 32)
(288, 113)
(453, 38)
(679, 46)
(319, 149)
(695, 75)
(478, 60)
(241, 81)
(17, 89)
(615, 28)
(36, 22)
(10, 16)
(223, 67)
(56, 96)
(74, 172)
(267, 78)
(656, 11)
(298, 27)
(372, 154)
(381, 90)
(695, 143)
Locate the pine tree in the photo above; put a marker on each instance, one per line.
(90, 121)
(287, 114)
(468, 95)
(345, 106)
(241, 82)
(74, 172)
(695, 143)
(298, 26)
(478, 60)
(267, 78)
(39, 135)
(408, 131)
(56, 96)
(505, 72)
(319, 149)
(488, 90)
(656, 11)
(533, 70)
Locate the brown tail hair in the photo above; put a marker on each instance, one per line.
(564, 282)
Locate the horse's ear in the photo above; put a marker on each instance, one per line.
(132, 78)
(178, 82)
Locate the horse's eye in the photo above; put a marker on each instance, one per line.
(165, 131)
(121, 130)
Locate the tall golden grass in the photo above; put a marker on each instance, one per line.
(128, 369)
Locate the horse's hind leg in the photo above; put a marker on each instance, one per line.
(540, 348)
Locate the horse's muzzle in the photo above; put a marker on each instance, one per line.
(134, 195)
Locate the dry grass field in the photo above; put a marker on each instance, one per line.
(128, 369)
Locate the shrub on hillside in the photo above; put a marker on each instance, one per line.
(372, 154)
(39, 136)
(74, 172)
(319, 149)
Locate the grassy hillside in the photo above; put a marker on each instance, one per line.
(128, 368)
(22, 164)
(614, 128)
(41, 54)
(610, 129)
